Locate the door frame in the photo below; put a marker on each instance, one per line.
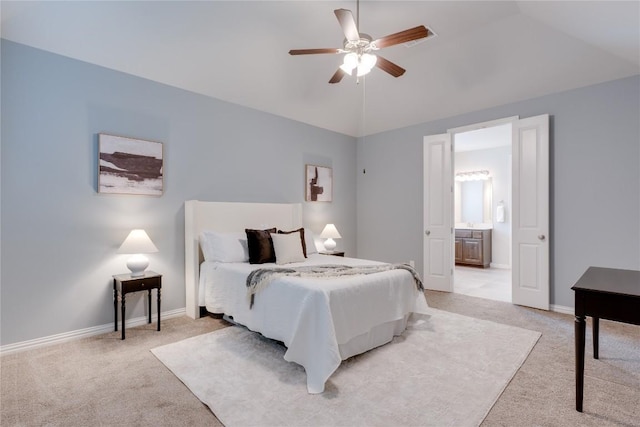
(482, 125)
(447, 285)
(513, 120)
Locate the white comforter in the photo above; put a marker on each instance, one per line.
(321, 321)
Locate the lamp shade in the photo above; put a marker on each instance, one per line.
(137, 242)
(330, 232)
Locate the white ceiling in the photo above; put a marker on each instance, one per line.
(485, 53)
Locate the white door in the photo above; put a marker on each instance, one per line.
(438, 231)
(530, 232)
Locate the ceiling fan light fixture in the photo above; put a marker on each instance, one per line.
(346, 69)
(366, 63)
(349, 63)
(368, 60)
(362, 70)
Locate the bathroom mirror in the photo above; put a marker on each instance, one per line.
(473, 202)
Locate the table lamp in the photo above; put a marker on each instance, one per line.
(330, 232)
(137, 244)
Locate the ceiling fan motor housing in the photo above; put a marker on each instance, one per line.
(360, 46)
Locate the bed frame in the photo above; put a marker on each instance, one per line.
(226, 217)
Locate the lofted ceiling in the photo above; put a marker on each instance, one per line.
(484, 54)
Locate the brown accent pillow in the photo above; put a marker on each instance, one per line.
(260, 246)
(301, 231)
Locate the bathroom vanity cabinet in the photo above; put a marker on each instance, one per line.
(473, 247)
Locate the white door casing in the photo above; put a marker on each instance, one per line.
(530, 219)
(530, 210)
(438, 231)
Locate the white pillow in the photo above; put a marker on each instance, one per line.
(310, 242)
(224, 247)
(288, 248)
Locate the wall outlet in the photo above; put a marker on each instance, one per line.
(412, 263)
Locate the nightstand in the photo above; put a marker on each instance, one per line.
(124, 284)
(334, 253)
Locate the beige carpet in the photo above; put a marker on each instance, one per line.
(103, 381)
(445, 370)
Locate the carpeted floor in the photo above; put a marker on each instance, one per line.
(105, 381)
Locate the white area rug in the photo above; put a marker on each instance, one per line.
(444, 370)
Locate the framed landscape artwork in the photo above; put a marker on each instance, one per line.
(129, 166)
(318, 184)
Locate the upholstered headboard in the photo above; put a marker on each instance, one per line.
(226, 217)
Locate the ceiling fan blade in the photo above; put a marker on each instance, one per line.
(389, 67)
(312, 51)
(402, 37)
(337, 76)
(348, 24)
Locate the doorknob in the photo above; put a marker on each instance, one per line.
(427, 232)
(541, 236)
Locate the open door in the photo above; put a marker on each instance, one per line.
(530, 232)
(438, 231)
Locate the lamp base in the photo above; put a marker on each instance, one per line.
(329, 244)
(137, 264)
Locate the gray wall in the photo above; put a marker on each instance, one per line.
(594, 172)
(59, 236)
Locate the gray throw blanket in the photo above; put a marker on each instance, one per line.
(260, 278)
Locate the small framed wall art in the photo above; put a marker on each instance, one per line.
(318, 184)
(129, 166)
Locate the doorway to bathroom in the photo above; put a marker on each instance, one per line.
(526, 206)
(482, 228)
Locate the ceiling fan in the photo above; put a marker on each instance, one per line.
(359, 47)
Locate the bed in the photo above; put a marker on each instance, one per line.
(321, 321)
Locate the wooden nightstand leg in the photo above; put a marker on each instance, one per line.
(122, 305)
(596, 333)
(149, 304)
(158, 309)
(115, 307)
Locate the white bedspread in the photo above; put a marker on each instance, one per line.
(315, 317)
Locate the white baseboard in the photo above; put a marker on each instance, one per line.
(500, 266)
(82, 333)
(562, 309)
